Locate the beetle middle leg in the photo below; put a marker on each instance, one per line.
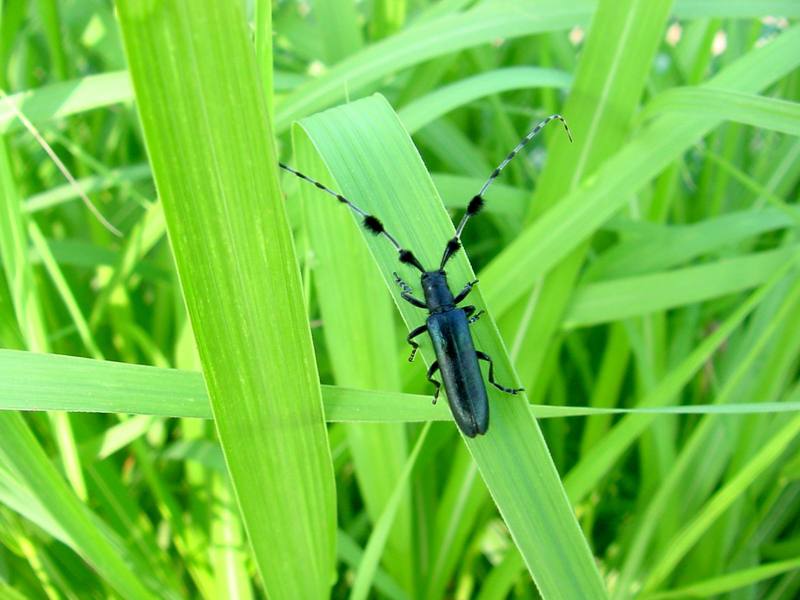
(410, 339)
(502, 388)
(431, 372)
(465, 292)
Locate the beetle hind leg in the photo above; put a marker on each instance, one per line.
(502, 388)
(431, 372)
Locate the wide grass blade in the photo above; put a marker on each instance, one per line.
(40, 382)
(208, 137)
(375, 164)
(357, 312)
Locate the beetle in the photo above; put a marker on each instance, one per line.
(447, 323)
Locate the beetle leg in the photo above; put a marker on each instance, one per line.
(411, 300)
(475, 317)
(403, 285)
(407, 292)
(502, 388)
(465, 292)
(431, 371)
(469, 310)
(410, 339)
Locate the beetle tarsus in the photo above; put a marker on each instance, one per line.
(499, 386)
(476, 317)
(404, 287)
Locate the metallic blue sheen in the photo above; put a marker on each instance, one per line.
(461, 375)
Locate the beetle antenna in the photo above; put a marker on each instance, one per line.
(476, 203)
(370, 222)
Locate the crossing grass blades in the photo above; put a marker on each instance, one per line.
(448, 323)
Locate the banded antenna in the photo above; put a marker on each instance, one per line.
(370, 222)
(476, 203)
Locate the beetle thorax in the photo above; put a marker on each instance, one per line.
(438, 296)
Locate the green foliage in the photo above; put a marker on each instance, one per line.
(175, 383)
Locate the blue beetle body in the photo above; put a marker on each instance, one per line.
(448, 328)
(461, 375)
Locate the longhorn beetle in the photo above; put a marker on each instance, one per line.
(447, 323)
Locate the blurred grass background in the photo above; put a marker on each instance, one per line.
(651, 264)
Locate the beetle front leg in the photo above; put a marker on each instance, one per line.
(414, 345)
(502, 388)
(431, 372)
(406, 292)
(465, 292)
(415, 301)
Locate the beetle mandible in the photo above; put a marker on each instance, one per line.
(447, 323)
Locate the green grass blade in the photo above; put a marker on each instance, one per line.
(728, 582)
(618, 299)
(17, 267)
(207, 134)
(41, 382)
(61, 284)
(27, 305)
(592, 467)
(734, 9)
(33, 381)
(351, 554)
(357, 312)
(377, 540)
(87, 185)
(66, 98)
(424, 41)
(427, 109)
(610, 77)
(339, 28)
(21, 454)
(749, 109)
(663, 247)
(720, 502)
(547, 241)
(370, 155)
